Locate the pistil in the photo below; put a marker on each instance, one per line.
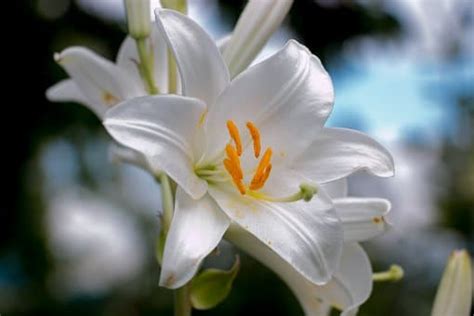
(305, 193)
(395, 273)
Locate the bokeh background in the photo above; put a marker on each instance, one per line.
(78, 230)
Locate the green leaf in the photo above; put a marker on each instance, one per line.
(212, 286)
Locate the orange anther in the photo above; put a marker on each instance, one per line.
(258, 183)
(234, 158)
(260, 176)
(235, 135)
(236, 175)
(255, 134)
(266, 174)
(241, 187)
(233, 171)
(264, 162)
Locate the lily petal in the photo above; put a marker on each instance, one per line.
(286, 95)
(127, 58)
(163, 128)
(68, 91)
(203, 72)
(306, 235)
(196, 229)
(256, 24)
(338, 152)
(223, 42)
(101, 81)
(119, 153)
(362, 218)
(349, 288)
(336, 189)
(352, 284)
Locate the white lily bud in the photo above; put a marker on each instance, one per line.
(454, 296)
(256, 24)
(138, 18)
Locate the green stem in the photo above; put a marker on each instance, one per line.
(145, 66)
(166, 200)
(182, 303)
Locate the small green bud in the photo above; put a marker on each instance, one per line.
(212, 286)
(308, 191)
(138, 18)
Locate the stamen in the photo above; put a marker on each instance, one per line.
(262, 166)
(258, 182)
(240, 185)
(266, 174)
(235, 135)
(255, 134)
(233, 171)
(234, 158)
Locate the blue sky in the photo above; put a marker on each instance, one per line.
(391, 99)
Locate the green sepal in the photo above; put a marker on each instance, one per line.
(212, 286)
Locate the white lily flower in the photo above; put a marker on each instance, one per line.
(454, 296)
(216, 142)
(351, 285)
(256, 24)
(99, 84)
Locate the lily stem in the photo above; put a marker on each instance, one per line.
(145, 66)
(182, 303)
(166, 200)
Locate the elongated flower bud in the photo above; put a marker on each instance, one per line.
(455, 289)
(138, 18)
(256, 24)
